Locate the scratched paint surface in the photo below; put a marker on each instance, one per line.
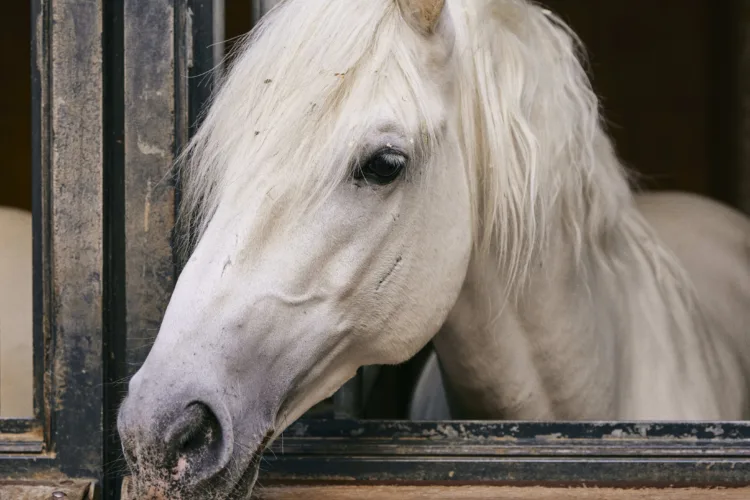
(149, 153)
(76, 234)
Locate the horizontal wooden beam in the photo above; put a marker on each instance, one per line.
(475, 492)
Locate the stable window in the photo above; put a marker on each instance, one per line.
(118, 88)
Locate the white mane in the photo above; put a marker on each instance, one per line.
(297, 86)
(532, 139)
(530, 121)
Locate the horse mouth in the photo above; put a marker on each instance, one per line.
(243, 488)
(140, 486)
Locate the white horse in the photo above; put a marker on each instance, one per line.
(376, 174)
(16, 320)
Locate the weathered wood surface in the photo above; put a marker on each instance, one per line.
(76, 185)
(491, 492)
(149, 131)
(43, 490)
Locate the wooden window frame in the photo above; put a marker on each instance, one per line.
(63, 437)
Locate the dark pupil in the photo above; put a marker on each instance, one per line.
(383, 168)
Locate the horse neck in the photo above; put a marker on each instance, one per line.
(608, 331)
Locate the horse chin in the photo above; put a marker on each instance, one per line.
(146, 487)
(153, 484)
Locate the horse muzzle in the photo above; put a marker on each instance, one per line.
(183, 444)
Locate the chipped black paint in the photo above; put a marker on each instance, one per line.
(537, 471)
(76, 170)
(551, 454)
(519, 431)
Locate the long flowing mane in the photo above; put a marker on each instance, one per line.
(534, 135)
(535, 140)
(535, 149)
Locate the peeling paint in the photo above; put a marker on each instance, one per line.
(554, 435)
(150, 149)
(448, 431)
(716, 430)
(147, 207)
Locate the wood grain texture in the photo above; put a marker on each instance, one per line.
(492, 492)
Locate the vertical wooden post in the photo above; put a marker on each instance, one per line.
(75, 217)
(149, 143)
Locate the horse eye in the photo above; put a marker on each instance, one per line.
(382, 168)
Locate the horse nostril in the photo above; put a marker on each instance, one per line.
(194, 441)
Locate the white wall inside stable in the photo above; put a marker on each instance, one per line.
(16, 317)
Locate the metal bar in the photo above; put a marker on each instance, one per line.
(146, 61)
(149, 125)
(76, 222)
(219, 32)
(599, 472)
(40, 126)
(207, 54)
(259, 8)
(478, 439)
(115, 339)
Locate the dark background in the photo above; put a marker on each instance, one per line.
(15, 104)
(662, 69)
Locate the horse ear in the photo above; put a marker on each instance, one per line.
(422, 14)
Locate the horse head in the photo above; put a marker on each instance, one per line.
(332, 222)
